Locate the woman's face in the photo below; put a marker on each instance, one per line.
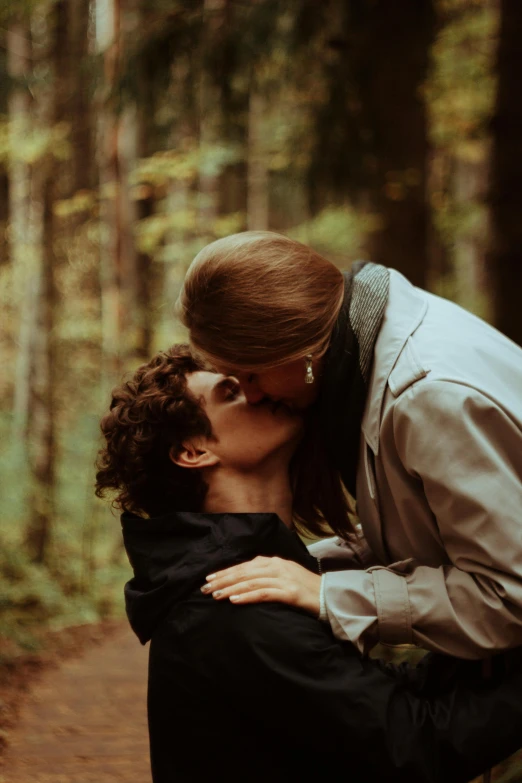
(245, 435)
(284, 384)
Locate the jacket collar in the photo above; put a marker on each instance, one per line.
(404, 312)
(171, 556)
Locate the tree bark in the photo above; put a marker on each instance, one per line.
(136, 266)
(257, 194)
(391, 46)
(4, 214)
(79, 114)
(210, 117)
(19, 102)
(144, 207)
(469, 186)
(108, 44)
(505, 251)
(46, 189)
(42, 432)
(4, 177)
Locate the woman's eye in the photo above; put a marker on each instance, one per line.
(250, 378)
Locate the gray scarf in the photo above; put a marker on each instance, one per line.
(348, 365)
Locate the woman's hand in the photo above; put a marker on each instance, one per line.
(267, 579)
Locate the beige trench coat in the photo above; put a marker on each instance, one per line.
(439, 487)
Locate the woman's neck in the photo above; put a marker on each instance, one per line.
(244, 493)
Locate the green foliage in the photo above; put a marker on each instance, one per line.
(30, 596)
(21, 140)
(88, 569)
(336, 230)
(82, 201)
(460, 94)
(228, 224)
(173, 233)
(11, 10)
(461, 90)
(185, 164)
(151, 232)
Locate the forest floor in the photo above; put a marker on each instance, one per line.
(78, 714)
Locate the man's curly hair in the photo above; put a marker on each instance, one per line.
(150, 416)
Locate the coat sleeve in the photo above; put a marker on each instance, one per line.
(335, 553)
(288, 670)
(465, 452)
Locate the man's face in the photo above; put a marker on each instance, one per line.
(244, 436)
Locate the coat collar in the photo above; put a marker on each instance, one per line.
(171, 556)
(404, 312)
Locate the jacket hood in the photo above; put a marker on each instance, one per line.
(171, 556)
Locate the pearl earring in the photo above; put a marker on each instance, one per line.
(309, 377)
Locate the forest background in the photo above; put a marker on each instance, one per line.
(132, 132)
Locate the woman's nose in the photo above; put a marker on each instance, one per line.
(253, 395)
(251, 390)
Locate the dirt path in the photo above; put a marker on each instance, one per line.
(85, 722)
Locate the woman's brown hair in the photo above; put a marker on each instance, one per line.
(259, 299)
(153, 413)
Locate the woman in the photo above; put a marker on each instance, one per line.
(421, 412)
(264, 691)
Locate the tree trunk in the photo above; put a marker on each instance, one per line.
(439, 184)
(4, 214)
(257, 195)
(135, 281)
(46, 189)
(180, 201)
(42, 433)
(19, 102)
(505, 252)
(79, 114)
(210, 117)
(144, 207)
(4, 177)
(391, 58)
(469, 186)
(108, 44)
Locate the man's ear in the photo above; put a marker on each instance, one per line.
(193, 454)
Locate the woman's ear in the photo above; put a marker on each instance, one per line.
(193, 454)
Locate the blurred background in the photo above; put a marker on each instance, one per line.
(133, 132)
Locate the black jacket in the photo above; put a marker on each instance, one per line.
(265, 693)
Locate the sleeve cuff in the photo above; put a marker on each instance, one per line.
(366, 607)
(393, 607)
